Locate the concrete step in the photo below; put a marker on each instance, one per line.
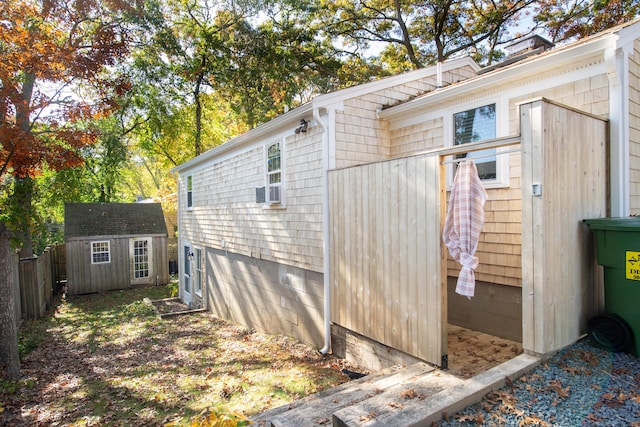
(318, 409)
(425, 400)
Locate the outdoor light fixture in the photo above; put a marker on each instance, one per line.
(303, 126)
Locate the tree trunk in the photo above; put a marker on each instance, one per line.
(23, 187)
(9, 357)
(23, 190)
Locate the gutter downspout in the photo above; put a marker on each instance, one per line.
(325, 233)
(617, 65)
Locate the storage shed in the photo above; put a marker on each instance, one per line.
(115, 246)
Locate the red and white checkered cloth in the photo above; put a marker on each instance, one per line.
(463, 224)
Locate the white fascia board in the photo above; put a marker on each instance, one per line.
(627, 35)
(279, 124)
(512, 73)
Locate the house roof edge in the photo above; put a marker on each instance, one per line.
(320, 101)
(533, 65)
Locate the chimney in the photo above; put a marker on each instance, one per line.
(521, 49)
(528, 45)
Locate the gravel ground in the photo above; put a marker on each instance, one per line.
(580, 386)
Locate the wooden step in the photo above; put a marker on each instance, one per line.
(318, 409)
(425, 400)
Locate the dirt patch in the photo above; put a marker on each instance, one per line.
(169, 305)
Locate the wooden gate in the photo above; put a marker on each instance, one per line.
(386, 281)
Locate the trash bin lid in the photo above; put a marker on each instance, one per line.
(631, 223)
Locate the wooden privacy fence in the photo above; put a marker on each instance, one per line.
(35, 280)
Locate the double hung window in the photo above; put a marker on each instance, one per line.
(274, 174)
(189, 192)
(100, 252)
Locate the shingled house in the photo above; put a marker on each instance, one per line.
(325, 223)
(114, 246)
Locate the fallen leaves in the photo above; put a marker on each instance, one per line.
(105, 359)
(556, 386)
(412, 394)
(368, 417)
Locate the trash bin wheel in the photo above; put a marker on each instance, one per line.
(610, 332)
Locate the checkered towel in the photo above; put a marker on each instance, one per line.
(463, 224)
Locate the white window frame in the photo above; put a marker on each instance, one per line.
(502, 129)
(267, 174)
(198, 271)
(95, 252)
(188, 186)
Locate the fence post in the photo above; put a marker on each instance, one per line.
(29, 293)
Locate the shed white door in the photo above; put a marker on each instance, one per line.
(141, 262)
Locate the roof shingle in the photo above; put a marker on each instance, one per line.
(107, 219)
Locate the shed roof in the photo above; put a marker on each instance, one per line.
(113, 219)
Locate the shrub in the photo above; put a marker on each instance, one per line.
(138, 309)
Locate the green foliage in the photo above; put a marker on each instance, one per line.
(216, 417)
(138, 309)
(11, 387)
(567, 20)
(174, 288)
(31, 335)
(420, 33)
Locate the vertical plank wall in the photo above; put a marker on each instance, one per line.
(84, 277)
(385, 254)
(565, 152)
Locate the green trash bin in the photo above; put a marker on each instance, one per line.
(618, 251)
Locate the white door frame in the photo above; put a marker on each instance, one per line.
(141, 264)
(197, 275)
(186, 278)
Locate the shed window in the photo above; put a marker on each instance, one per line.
(274, 174)
(100, 252)
(478, 124)
(189, 191)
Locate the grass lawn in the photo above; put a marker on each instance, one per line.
(107, 359)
